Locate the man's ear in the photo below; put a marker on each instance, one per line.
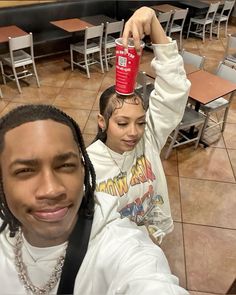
(101, 122)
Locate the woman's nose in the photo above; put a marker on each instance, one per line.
(133, 130)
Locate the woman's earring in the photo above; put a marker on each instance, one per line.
(103, 129)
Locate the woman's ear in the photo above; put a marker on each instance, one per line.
(101, 122)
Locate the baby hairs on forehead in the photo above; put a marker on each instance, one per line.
(111, 101)
(31, 113)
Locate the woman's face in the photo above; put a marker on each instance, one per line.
(126, 126)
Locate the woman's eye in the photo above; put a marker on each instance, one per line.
(121, 124)
(142, 123)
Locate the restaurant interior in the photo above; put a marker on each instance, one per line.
(201, 181)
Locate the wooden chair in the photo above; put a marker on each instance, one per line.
(88, 48)
(181, 135)
(114, 28)
(201, 23)
(19, 60)
(221, 103)
(230, 51)
(177, 24)
(223, 17)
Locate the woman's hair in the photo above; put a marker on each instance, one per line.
(109, 101)
(30, 113)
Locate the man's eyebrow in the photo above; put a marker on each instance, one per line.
(66, 156)
(34, 162)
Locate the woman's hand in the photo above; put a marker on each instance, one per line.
(143, 22)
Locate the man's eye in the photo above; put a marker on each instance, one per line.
(67, 166)
(23, 171)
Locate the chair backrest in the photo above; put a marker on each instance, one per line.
(231, 45)
(164, 19)
(21, 42)
(94, 32)
(212, 11)
(226, 72)
(180, 16)
(114, 27)
(144, 88)
(227, 8)
(194, 59)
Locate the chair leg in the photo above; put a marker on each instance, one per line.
(218, 30)
(105, 58)
(205, 124)
(36, 75)
(170, 147)
(211, 28)
(188, 29)
(226, 28)
(86, 65)
(16, 79)
(71, 60)
(199, 135)
(203, 33)
(2, 72)
(101, 61)
(180, 40)
(1, 93)
(225, 119)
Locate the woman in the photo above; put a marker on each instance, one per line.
(125, 153)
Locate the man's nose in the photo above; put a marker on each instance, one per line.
(49, 186)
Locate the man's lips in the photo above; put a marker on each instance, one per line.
(51, 215)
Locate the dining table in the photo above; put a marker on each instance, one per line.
(71, 25)
(207, 87)
(165, 8)
(10, 31)
(97, 19)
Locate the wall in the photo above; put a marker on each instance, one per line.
(21, 2)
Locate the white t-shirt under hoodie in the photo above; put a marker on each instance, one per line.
(142, 191)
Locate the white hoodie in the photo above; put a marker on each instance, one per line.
(142, 192)
(121, 259)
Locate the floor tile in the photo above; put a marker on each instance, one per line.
(91, 125)
(210, 258)
(80, 116)
(172, 246)
(232, 156)
(230, 136)
(174, 197)
(209, 163)
(208, 202)
(76, 98)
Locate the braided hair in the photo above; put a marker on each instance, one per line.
(30, 113)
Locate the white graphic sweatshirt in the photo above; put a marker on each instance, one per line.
(120, 260)
(142, 192)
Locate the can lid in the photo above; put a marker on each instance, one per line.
(130, 42)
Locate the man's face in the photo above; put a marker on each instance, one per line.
(43, 179)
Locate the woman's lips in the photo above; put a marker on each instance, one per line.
(51, 215)
(130, 142)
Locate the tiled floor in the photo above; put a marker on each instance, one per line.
(202, 183)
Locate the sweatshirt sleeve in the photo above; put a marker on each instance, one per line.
(168, 100)
(140, 266)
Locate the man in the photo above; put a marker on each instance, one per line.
(46, 202)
